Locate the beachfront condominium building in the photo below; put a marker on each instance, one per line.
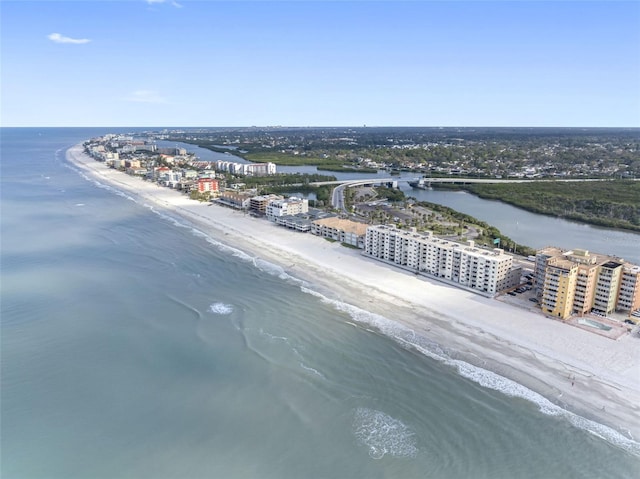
(338, 229)
(579, 282)
(286, 207)
(486, 271)
(586, 281)
(607, 286)
(559, 287)
(629, 295)
(208, 185)
(258, 204)
(236, 199)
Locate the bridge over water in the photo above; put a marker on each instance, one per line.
(337, 198)
(427, 181)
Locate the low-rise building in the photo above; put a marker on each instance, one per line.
(235, 199)
(294, 222)
(207, 185)
(258, 204)
(286, 207)
(345, 231)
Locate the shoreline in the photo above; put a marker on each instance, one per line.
(594, 377)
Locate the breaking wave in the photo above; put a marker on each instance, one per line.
(382, 434)
(407, 338)
(221, 308)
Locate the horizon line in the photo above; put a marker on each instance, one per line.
(319, 126)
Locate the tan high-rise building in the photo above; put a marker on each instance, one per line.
(579, 282)
(559, 287)
(585, 288)
(607, 286)
(629, 294)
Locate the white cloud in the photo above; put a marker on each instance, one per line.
(173, 2)
(145, 96)
(57, 38)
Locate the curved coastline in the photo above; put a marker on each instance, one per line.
(591, 376)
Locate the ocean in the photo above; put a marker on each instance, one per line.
(134, 346)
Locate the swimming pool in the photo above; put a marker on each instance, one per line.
(595, 324)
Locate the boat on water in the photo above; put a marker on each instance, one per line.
(419, 183)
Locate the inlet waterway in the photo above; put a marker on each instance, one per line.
(526, 228)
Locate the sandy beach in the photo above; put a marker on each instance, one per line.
(571, 369)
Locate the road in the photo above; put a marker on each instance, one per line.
(453, 180)
(337, 197)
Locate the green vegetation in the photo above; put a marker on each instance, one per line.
(323, 193)
(347, 169)
(475, 152)
(196, 195)
(390, 194)
(613, 203)
(488, 233)
(209, 145)
(284, 183)
(292, 179)
(319, 159)
(550, 153)
(286, 159)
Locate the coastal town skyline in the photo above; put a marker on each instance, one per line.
(320, 63)
(482, 269)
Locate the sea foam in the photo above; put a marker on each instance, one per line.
(221, 308)
(383, 434)
(407, 338)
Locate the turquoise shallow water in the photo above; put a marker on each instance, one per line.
(133, 346)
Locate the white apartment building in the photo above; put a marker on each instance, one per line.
(481, 270)
(259, 169)
(250, 169)
(286, 207)
(170, 178)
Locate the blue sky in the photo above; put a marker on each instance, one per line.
(332, 63)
